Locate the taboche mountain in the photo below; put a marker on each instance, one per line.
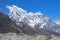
(7, 25)
(21, 21)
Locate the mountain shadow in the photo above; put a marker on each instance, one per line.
(7, 25)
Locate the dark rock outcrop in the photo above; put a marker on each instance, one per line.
(7, 25)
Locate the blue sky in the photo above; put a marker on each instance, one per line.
(51, 8)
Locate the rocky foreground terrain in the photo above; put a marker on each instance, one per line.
(13, 36)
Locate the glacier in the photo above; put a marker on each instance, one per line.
(35, 20)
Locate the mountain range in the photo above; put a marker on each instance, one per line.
(21, 21)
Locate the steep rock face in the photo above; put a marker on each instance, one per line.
(6, 24)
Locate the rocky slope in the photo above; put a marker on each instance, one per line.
(6, 24)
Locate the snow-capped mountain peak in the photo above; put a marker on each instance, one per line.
(35, 20)
(18, 14)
